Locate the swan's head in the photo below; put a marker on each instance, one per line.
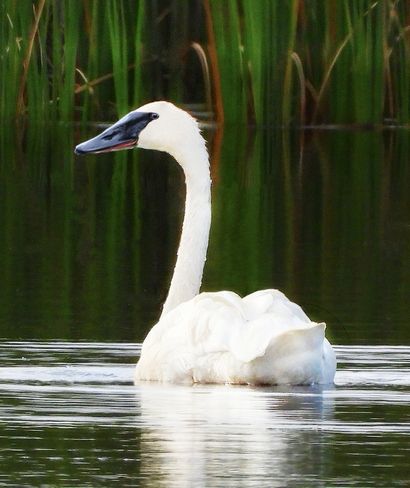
(156, 125)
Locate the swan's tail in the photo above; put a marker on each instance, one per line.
(294, 356)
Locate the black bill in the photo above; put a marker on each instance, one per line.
(122, 135)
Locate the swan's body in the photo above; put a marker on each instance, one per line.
(263, 338)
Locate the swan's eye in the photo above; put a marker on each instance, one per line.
(154, 116)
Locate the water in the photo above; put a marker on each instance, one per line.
(70, 416)
(86, 251)
(87, 245)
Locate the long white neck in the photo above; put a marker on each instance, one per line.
(187, 277)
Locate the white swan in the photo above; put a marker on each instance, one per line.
(220, 337)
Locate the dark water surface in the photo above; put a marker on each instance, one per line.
(70, 416)
(87, 246)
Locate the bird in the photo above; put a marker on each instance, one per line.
(213, 337)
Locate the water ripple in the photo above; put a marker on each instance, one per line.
(70, 414)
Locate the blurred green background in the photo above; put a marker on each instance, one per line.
(305, 106)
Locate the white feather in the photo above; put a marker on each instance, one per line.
(219, 338)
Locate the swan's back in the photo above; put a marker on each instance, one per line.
(263, 338)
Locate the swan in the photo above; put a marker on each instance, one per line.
(218, 337)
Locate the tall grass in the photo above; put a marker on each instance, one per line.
(276, 62)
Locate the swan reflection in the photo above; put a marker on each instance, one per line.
(203, 435)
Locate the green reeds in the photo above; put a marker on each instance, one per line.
(119, 52)
(277, 62)
(11, 58)
(351, 58)
(225, 18)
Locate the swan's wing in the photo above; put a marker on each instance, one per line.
(269, 331)
(212, 324)
(272, 301)
(224, 322)
(193, 330)
(272, 319)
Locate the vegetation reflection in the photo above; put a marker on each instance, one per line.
(87, 247)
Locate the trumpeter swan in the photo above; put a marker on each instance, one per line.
(263, 338)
